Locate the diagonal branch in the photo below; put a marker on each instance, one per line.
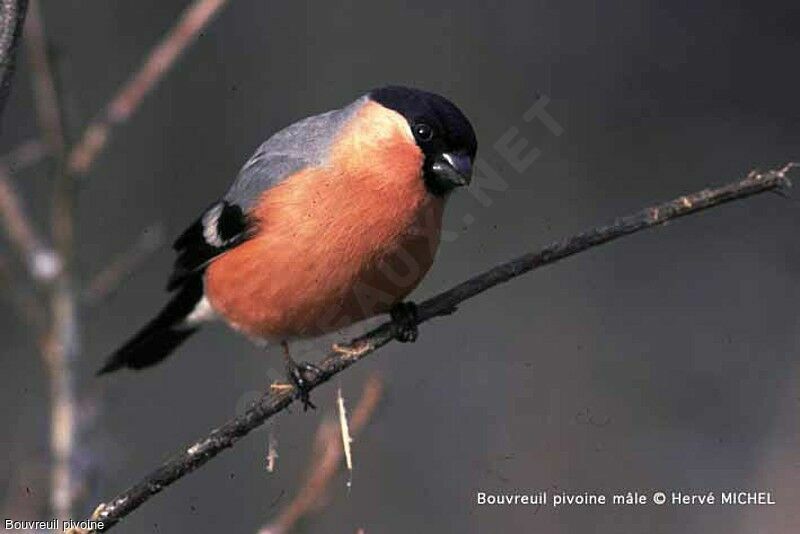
(278, 399)
(41, 261)
(130, 95)
(48, 111)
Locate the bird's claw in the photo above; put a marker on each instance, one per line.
(298, 374)
(405, 318)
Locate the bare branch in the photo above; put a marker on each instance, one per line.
(42, 262)
(61, 354)
(326, 460)
(127, 100)
(278, 399)
(45, 95)
(12, 17)
(107, 281)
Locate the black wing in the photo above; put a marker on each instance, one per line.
(221, 227)
(158, 338)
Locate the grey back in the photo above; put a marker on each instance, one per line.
(302, 144)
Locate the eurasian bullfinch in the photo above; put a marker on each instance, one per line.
(334, 219)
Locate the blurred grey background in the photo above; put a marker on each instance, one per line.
(666, 361)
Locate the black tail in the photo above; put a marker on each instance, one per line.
(163, 334)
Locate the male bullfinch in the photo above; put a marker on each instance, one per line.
(333, 220)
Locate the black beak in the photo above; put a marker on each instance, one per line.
(451, 170)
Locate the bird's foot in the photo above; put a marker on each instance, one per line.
(299, 374)
(405, 318)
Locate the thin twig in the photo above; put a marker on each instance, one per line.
(278, 399)
(41, 261)
(48, 112)
(12, 17)
(344, 428)
(128, 98)
(107, 281)
(42, 264)
(325, 460)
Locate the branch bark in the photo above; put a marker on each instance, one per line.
(278, 399)
(12, 16)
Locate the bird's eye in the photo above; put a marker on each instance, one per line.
(423, 132)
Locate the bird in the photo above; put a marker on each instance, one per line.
(334, 219)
